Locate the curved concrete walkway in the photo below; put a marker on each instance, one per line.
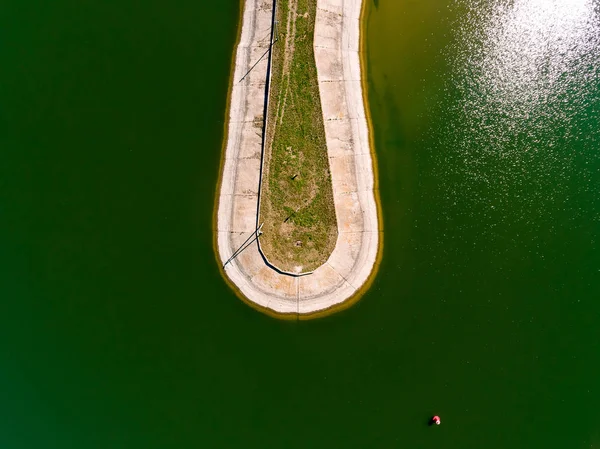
(338, 65)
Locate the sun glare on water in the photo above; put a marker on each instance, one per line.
(532, 45)
(519, 100)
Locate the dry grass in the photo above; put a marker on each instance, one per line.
(300, 227)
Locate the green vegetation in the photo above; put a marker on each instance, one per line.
(300, 227)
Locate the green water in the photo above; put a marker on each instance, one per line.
(116, 330)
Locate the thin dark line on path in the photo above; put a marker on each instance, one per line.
(246, 244)
(255, 64)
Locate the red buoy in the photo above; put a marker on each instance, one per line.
(436, 420)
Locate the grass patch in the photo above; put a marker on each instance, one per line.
(300, 226)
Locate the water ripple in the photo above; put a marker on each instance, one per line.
(520, 136)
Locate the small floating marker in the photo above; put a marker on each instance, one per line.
(436, 420)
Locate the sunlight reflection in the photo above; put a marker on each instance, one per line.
(523, 86)
(535, 43)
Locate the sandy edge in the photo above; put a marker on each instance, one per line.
(337, 44)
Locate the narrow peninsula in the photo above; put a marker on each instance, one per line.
(298, 230)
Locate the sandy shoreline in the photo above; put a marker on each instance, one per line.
(352, 261)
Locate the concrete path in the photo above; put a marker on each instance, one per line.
(338, 65)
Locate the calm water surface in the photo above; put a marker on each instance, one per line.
(487, 125)
(116, 329)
